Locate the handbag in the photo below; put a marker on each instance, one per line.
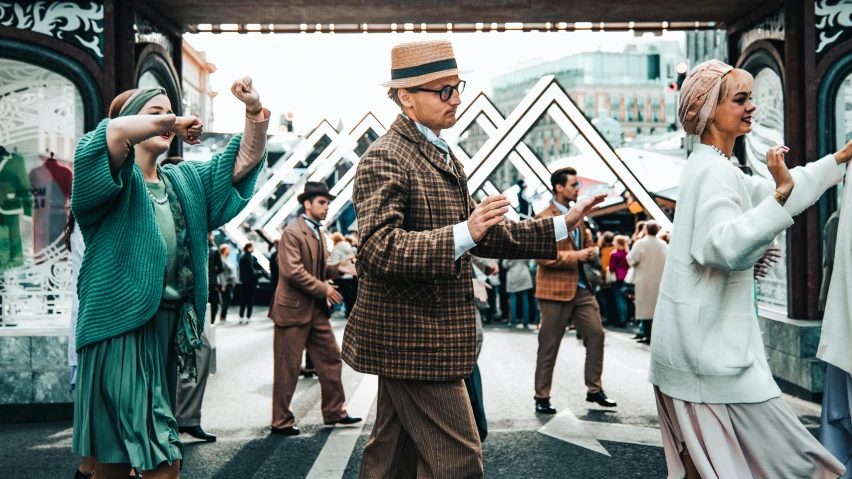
(592, 271)
(629, 278)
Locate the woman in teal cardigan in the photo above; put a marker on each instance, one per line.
(143, 280)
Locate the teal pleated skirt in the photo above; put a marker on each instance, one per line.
(124, 411)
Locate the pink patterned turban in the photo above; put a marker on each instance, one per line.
(699, 95)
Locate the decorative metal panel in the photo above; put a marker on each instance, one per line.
(768, 131)
(146, 32)
(770, 28)
(78, 23)
(833, 24)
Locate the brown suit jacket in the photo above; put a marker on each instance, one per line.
(414, 318)
(302, 284)
(556, 279)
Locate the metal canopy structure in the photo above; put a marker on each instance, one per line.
(187, 13)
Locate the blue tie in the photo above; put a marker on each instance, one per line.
(443, 147)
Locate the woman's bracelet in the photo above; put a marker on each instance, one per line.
(254, 112)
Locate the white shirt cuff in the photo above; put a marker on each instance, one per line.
(462, 239)
(560, 227)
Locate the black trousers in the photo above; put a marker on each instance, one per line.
(247, 298)
(349, 291)
(214, 297)
(227, 297)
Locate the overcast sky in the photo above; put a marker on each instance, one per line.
(336, 77)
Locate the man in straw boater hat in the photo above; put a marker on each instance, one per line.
(301, 315)
(414, 323)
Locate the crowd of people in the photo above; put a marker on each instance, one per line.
(414, 287)
(630, 270)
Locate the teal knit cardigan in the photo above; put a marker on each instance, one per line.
(120, 283)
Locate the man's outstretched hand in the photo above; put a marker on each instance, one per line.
(581, 208)
(487, 214)
(347, 267)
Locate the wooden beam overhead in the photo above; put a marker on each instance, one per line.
(192, 12)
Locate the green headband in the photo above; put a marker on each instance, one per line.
(139, 99)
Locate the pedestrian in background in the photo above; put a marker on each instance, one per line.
(301, 315)
(566, 296)
(273, 266)
(618, 268)
(250, 271)
(606, 294)
(647, 257)
(227, 281)
(639, 233)
(214, 269)
(519, 283)
(348, 284)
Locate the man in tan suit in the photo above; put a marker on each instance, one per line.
(301, 315)
(565, 296)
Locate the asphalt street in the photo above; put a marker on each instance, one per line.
(582, 441)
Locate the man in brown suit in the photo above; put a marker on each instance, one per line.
(414, 322)
(565, 296)
(301, 315)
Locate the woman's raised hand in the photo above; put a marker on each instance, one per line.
(188, 129)
(778, 169)
(844, 154)
(246, 93)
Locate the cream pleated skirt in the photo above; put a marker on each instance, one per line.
(741, 441)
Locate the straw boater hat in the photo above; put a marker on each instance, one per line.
(417, 63)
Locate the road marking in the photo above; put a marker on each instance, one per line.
(332, 460)
(567, 427)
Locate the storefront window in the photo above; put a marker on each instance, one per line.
(41, 121)
(768, 131)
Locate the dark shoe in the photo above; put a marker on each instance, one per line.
(600, 398)
(308, 373)
(644, 341)
(638, 336)
(198, 433)
(542, 406)
(345, 421)
(286, 431)
(81, 475)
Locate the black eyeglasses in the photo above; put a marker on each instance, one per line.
(447, 91)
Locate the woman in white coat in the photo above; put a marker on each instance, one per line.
(721, 413)
(648, 257)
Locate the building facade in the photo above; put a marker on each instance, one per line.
(629, 87)
(196, 88)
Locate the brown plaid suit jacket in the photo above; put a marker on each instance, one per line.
(414, 318)
(556, 279)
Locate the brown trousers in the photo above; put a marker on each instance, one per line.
(555, 316)
(423, 430)
(318, 338)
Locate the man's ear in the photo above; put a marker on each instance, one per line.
(405, 97)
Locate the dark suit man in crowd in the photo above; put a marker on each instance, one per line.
(414, 322)
(301, 314)
(214, 269)
(250, 271)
